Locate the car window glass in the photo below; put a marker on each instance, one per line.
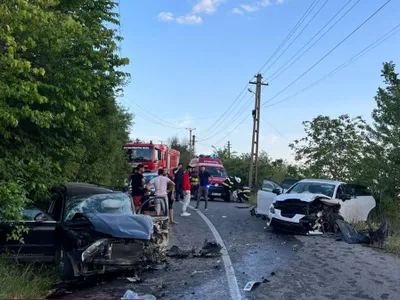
(312, 188)
(268, 185)
(339, 192)
(29, 214)
(357, 190)
(115, 203)
(216, 172)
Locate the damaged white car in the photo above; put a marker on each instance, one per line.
(312, 206)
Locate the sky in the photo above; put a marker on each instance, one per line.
(191, 59)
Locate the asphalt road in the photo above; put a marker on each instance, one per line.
(291, 267)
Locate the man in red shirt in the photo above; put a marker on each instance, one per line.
(186, 187)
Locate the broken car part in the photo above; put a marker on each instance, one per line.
(250, 285)
(92, 230)
(313, 206)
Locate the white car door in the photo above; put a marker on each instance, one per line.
(358, 207)
(265, 197)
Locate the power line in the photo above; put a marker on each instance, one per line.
(290, 34)
(273, 127)
(367, 49)
(214, 126)
(229, 133)
(244, 107)
(168, 124)
(280, 71)
(302, 30)
(333, 49)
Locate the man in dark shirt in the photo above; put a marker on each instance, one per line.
(178, 173)
(204, 178)
(137, 183)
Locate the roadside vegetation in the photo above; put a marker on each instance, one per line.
(60, 76)
(31, 281)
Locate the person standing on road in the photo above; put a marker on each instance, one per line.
(204, 178)
(171, 195)
(137, 184)
(178, 173)
(186, 186)
(161, 185)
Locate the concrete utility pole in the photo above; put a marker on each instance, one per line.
(190, 140)
(194, 144)
(229, 149)
(256, 130)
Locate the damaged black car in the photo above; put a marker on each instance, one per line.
(87, 230)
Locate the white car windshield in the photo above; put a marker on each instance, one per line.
(114, 203)
(312, 188)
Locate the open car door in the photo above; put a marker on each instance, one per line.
(265, 196)
(38, 243)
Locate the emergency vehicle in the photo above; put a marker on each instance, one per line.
(216, 169)
(152, 156)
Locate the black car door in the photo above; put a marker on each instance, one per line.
(38, 243)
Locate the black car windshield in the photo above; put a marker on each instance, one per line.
(312, 188)
(216, 172)
(113, 203)
(140, 154)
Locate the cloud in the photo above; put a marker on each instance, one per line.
(201, 7)
(254, 7)
(249, 8)
(265, 3)
(189, 19)
(165, 17)
(237, 11)
(206, 6)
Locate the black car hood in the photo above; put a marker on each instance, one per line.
(124, 226)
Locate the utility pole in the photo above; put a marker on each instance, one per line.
(190, 140)
(229, 149)
(193, 144)
(256, 130)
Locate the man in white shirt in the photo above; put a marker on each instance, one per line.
(161, 184)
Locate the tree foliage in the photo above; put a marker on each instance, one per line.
(333, 147)
(238, 165)
(59, 120)
(183, 147)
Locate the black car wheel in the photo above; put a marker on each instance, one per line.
(211, 198)
(65, 269)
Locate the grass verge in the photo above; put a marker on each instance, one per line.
(25, 280)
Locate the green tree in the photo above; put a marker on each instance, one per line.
(183, 147)
(332, 148)
(383, 165)
(59, 73)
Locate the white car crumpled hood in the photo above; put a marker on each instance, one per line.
(307, 198)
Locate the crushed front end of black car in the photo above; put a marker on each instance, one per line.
(101, 233)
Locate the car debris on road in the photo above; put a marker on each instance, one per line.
(209, 249)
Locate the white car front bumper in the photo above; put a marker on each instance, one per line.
(294, 224)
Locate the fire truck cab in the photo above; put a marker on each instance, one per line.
(152, 156)
(216, 169)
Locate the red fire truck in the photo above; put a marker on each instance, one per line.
(152, 156)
